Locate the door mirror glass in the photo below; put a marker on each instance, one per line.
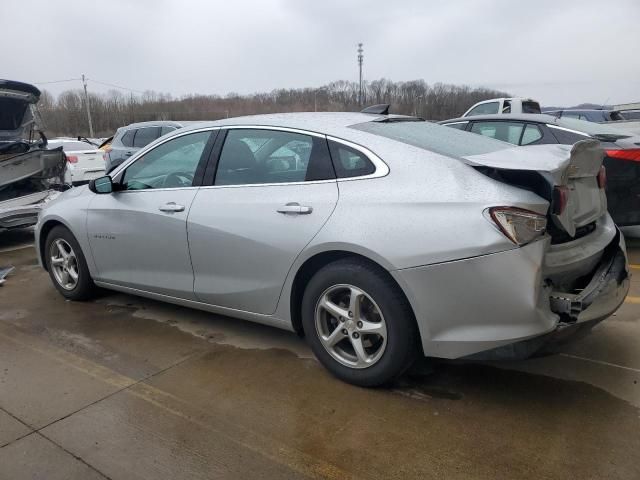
(101, 185)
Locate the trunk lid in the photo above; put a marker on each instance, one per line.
(17, 109)
(549, 169)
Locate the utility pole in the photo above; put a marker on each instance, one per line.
(360, 60)
(86, 102)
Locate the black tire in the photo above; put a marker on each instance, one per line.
(84, 288)
(401, 348)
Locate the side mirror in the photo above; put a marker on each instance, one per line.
(101, 185)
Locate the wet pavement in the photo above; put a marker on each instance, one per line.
(124, 387)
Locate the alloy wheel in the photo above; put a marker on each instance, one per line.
(64, 264)
(350, 326)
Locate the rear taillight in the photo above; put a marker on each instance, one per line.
(519, 225)
(560, 199)
(72, 159)
(602, 177)
(632, 154)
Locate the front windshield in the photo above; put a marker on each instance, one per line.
(435, 138)
(596, 130)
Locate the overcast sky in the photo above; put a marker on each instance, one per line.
(561, 52)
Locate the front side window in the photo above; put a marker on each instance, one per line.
(485, 109)
(172, 164)
(144, 136)
(505, 131)
(256, 156)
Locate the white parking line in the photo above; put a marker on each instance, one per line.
(600, 362)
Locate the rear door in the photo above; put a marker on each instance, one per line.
(270, 193)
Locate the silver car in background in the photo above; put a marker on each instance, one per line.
(378, 237)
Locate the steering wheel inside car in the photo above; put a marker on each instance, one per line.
(178, 179)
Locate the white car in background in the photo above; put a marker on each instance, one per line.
(85, 161)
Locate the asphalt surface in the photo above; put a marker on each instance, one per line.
(124, 388)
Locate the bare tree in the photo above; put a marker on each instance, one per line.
(64, 115)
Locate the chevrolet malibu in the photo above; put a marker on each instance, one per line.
(380, 238)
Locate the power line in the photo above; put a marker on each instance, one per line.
(58, 81)
(114, 86)
(91, 80)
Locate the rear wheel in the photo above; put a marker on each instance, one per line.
(67, 266)
(358, 323)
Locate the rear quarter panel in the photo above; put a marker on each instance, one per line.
(427, 210)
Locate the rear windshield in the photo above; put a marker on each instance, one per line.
(596, 130)
(530, 107)
(11, 113)
(435, 138)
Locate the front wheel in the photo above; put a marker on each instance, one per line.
(67, 266)
(358, 323)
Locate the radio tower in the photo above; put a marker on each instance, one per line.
(360, 60)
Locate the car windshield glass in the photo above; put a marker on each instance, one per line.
(597, 130)
(434, 137)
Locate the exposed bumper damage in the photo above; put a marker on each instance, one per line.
(514, 302)
(29, 171)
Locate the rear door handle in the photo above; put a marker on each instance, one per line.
(295, 208)
(171, 207)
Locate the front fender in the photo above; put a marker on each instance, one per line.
(70, 210)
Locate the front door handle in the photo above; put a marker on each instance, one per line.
(295, 208)
(171, 207)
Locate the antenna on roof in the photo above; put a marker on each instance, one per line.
(381, 109)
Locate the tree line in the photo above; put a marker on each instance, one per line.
(65, 115)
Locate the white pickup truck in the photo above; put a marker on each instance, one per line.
(504, 106)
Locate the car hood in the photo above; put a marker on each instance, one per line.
(18, 112)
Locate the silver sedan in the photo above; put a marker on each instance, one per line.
(379, 238)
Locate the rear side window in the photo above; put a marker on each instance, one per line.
(505, 131)
(349, 162)
(459, 125)
(531, 107)
(127, 138)
(144, 136)
(531, 135)
(252, 157)
(485, 109)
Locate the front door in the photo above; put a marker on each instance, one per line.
(138, 235)
(273, 192)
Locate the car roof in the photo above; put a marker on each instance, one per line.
(527, 117)
(158, 123)
(330, 123)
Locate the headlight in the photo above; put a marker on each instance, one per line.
(519, 225)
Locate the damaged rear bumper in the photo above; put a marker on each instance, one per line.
(511, 304)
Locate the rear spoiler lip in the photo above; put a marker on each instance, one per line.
(552, 159)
